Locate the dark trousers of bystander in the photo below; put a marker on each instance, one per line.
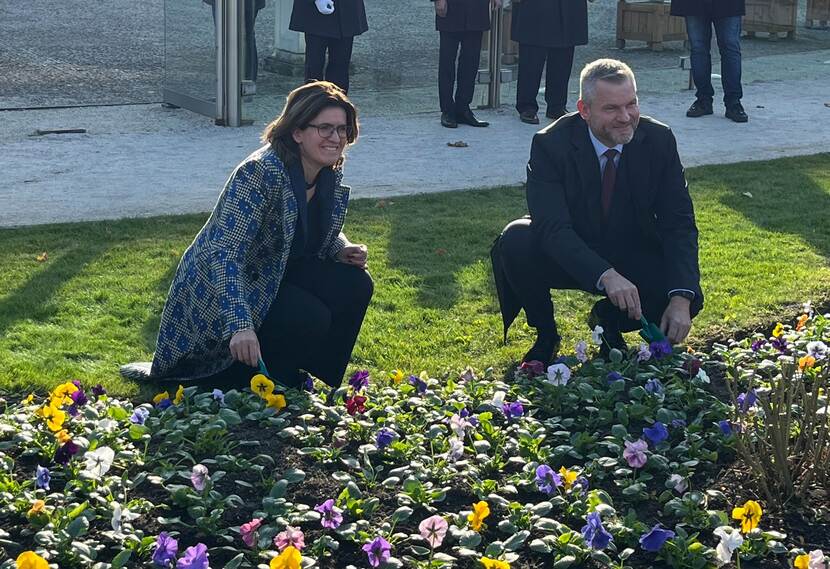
(728, 33)
(532, 60)
(312, 324)
(461, 49)
(336, 69)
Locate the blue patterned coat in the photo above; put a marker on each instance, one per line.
(230, 274)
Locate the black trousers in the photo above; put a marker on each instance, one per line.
(532, 60)
(461, 49)
(312, 324)
(532, 275)
(340, 56)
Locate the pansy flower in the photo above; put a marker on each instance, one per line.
(331, 516)
(378, 551)
(195, 557)
(480, 511)
(359, 380)
(749, 515)
(635, 453)
(31, 560)
(262, 386)
(547, 480)
(290, 558)
(489, 563)
(568, 477)
(356, 404)
(291, 537)
(596, 536)
(433, 530)
(248, 531)
(654, 539)
(657, 433)
(177, 400)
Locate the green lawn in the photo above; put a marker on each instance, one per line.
(95, 302)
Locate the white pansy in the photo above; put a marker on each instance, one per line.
(107, 425)
(459, 424)
(498, 399)
(582, 351)
(678, 483)
(559, 374)
(730, 540)
(456, 449)
(596, 335)
(121, 514)
(817, 560)
(98, 462)
(702, 376)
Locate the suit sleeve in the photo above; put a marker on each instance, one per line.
(551, 220)
(676, 225)
(239, 215)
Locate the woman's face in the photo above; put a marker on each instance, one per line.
(322, 150)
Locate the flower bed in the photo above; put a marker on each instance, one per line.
(590, 463)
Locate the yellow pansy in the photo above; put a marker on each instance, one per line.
(31, 560)
(290, 558)
(494, 563)
(179, 395)
(806, 362)
(63, 436)
(161, 397)
(54, 417)
(61, 393)
(37, 507)
(480, 511)
(802, 562)
(262, 386)
(749, 515)
(396, 376)
(802, 320)
(778, 330)
(29, 399)
(276, 401)
(568, 477)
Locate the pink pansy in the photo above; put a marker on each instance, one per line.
(635, 453)
(291, 536)
(248, 531)
(433, 530)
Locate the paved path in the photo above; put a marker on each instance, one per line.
(145, 160)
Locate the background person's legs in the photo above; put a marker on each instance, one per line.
(467, 70)
(340, 55)
(728, 33)
(560, 63)
(531, 64)
(315, 56)
(699, 29)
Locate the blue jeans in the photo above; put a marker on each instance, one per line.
(728, 32)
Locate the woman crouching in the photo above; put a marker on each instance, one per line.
(271, 276)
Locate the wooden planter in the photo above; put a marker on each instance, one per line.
(650, 22)
(771, 16)
(818, 13)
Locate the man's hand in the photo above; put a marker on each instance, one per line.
(441, 8)
(622, 293)
(354, 254)
(676, 321)
(245, 347)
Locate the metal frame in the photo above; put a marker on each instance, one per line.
(230, 74)
(494, 65)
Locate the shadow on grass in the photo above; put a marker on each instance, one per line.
(150, 328)
(434, 237)
(784, 200)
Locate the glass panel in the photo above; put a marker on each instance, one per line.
(394, 67)
(190, 55)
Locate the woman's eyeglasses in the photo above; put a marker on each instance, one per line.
(325, 130)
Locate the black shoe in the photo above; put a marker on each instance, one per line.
(545, 348)
(447, 120)
(612, 337)
(555, 114)
(699, 108)
(529, 117)
(736, 113)
(467, 117)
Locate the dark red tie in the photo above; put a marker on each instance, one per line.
(609, 179)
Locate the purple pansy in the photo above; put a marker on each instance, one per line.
(65, 452)
(747, 400)
(378, 551)
(420, 385)
(384, 438)
(512, 410)
(219, 396)
(99, 390)
(779, 344)
(595, 535)
(654, 386)
(615, 376)
(139, 416)
(725, 427)
(547, 479)
(359, 380)
(757, 345)
(331, 516)
(654, 539)
(195, 557)
(42, 477)
(199, 477)
(163, 404)
(635, 453)
(165, 550)
(660, 349)
(678, 423)
(657, 433)
(79, 397)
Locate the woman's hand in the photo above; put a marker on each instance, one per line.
(354, 254)
(245, 347)
(441, 8)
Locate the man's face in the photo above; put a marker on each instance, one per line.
(614, 112)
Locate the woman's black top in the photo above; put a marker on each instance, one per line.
(309, 232)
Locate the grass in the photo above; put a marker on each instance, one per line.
(95, 302)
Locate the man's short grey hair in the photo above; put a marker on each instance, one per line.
(611, 70)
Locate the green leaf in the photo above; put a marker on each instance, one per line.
(402, 514)
(278, 489)
(564, 562)
(235, 562)
(230, 416)
(418, 550)
(516, 540)
(77, 511)
(121, 559)
(293, 475)
(78, 527)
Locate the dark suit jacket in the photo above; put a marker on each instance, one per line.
(709, 8)
(465, 16)
(348, 19)
(550, 23)
(563, 198)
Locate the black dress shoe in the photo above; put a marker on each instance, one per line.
(529, 117)
(699, 108)
(544, 349)
(736, 113)
(556, 113)
(467, 117)
(447, 120)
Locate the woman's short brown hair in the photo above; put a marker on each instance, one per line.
(302, 106)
